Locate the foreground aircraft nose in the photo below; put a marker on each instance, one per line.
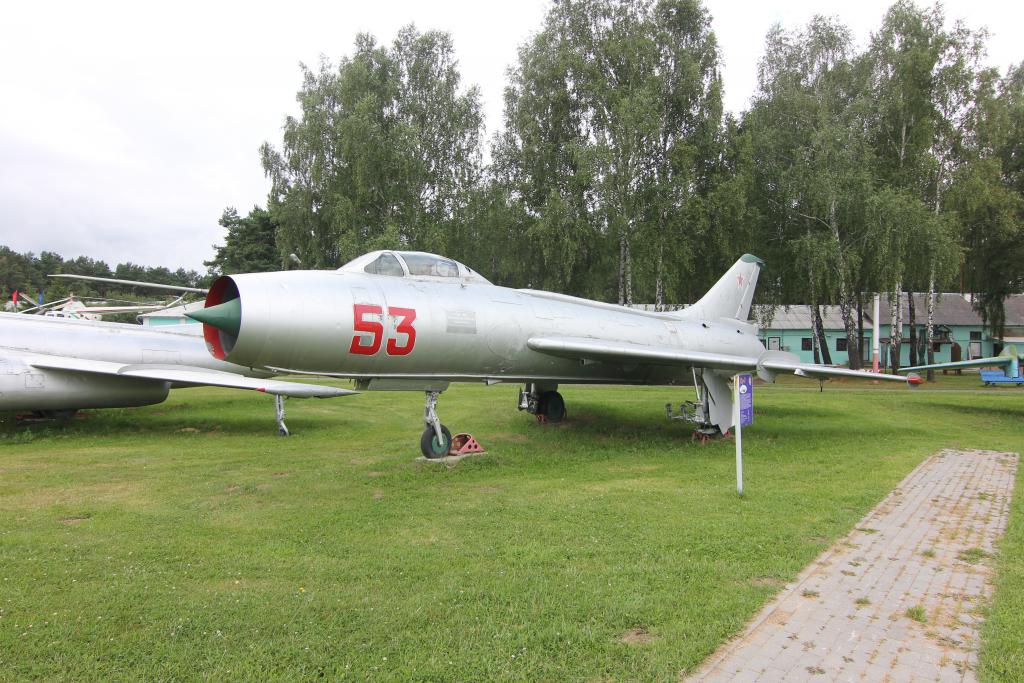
(226, 317)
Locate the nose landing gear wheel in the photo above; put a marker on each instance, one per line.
(431, 447)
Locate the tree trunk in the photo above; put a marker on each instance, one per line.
(814, 338)
(659, 283)
(819, 327)
(860, 332)
(931, 323)
(629, 275)
(912, 315)
(895, 327)
(845, 309)
(622, 268)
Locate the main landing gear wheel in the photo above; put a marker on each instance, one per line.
(431, 447)
(552, 407)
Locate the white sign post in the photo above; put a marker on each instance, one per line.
(742, 414)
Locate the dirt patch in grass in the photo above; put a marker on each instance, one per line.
(635, 484)
(366, 460)
(82, 495)
(636, 636)
(506, 436)
(766, 581)
(70, 521)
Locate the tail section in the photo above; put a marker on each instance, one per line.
(730, 297)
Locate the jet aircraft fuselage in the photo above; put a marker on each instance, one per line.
(416, 321)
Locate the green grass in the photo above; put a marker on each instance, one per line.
(972, 555)
(186, 540)
(917, 613)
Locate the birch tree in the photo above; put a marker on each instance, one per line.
(603, 113)
(384, 153)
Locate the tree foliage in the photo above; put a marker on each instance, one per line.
(250, 245)
(384, 153)
(617, 176)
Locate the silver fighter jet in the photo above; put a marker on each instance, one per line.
(55, 366)
(416, 321)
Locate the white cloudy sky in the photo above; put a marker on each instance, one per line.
(127, 127)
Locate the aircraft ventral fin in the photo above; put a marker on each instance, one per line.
(186, 375)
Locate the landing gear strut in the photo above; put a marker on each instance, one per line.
(282, 429)
(697, 412)
(436, 440)
(542, 401)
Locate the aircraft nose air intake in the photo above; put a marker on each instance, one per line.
(226, 317)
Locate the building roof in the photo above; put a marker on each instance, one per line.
(951, 308)
(798, 317)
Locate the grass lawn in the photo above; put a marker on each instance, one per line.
(186, 540)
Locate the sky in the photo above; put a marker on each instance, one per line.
(126, 128)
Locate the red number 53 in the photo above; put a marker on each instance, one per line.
(405, 317)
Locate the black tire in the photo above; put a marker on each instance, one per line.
(552, 406)
(430, 446)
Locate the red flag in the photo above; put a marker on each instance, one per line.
(14, 297)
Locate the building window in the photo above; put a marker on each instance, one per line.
(805, 344)
(976, 335)
(840, 343)
(774, 343)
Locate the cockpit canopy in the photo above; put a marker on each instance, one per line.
(415, 264)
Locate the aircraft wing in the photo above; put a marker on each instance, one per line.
(977, 362)
(185, 375)
(814, 371)
(626, 353)
(769, 363)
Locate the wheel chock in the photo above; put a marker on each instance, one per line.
(464, 444)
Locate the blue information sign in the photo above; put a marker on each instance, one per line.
(746, 400)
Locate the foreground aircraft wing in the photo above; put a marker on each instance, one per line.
(976, 363)
(625, 353)
(769, 364)
(1008, 357)
(814, 371)
(185, 375)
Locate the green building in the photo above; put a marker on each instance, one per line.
(959, 331)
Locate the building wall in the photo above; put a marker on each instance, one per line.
(792, 341)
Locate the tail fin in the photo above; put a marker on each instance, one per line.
(730, 297)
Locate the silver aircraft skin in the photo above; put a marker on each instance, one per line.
(416, 321)
(56, 366)
(1009, 359)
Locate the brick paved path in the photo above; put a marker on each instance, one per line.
(897, 599)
